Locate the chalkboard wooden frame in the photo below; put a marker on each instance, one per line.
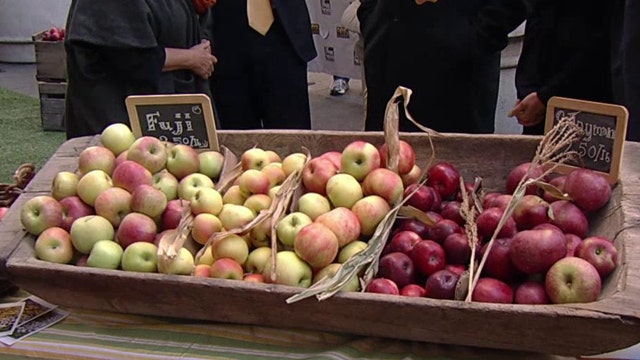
(135, 102)
(616, 115)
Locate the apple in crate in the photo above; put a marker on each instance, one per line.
(457, 249)
(54, 245)
(206, 200)
(257, 259)
(293, 162)
(182, 264)
(235, 216)
(253, 181)
(289, 226)
(166, 182)
(274, 173)
(403, 241)
(40, 213)
(105, 254)
(129, 175)
(343, 190)
(412, 177)
(182, 160)
(232, 246)
(73, 208)
(211, 163)
(335, 157)
(353, 284)
(526, 171)
(445, 178)
(64, 184)
(225, 268)
(572, 280)
(569, 218)
(534, 251)
(190, 184)
(384, 183)
(428, 257)
(202, 270)
(370, 211)
(317, 173)
(397, 267)
(488, 220)
(92, 184)
(406, 157)
(313, 205)
(140, 256)
(136, 227)
(359, 158)
(588, 189)
(88, 230)
(170, 218)
(531, 292)
(413, 290)
(422, 197)
(350, 250)
(492, 291)
(149, 152)
(382, 286)
(316, 244)
(343, 222)
(441, 285)
(254, 158)
(204, 226)
(530, 211)
(117, 137)
(96, 158)
(498, 264)
(148, 200)
(290, 270)
(599, 252)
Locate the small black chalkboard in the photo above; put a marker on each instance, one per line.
(604, 127)
(179, 119)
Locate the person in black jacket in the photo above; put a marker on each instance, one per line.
(119, 48)
(261, 81)
(625, 23)
(565, 53)
(446, 51)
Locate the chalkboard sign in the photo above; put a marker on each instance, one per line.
(604, 127)
(181, 119)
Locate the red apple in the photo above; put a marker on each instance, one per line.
(444, 228)
(403, 241)
(335, 157)
(129, 174)
(457, 269)
(519, 172)
(413, 290)
(406, 157)
(488, 220)
(531, 292)
(397, 267)
(530, 211)
(149, 152)
(445, 178)
(588, 189)
(492, 291)
(457, 249)
(569, 218)
(497, 200)
(422, 197)
(317, 173)
(599, 252)
(572, 243)
(384, 183)
(441, 285)
(316, 244)
(534, 251)
(382, 286)
(428, 257)
(498, 264)
(172, 214)
(73, 208)
(558, 182)
(451, 210)
(136, 227)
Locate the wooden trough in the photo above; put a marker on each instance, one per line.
(612, 322)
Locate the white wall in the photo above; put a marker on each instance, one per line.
(19, 19)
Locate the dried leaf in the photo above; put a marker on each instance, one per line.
(553, 191)
(408, 211)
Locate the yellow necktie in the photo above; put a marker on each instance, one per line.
(260, 15)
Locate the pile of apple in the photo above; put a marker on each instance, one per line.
(54, 34)
(543, 254)
(125, 193)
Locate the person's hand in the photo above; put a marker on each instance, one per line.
(202, 60)
(529, 111)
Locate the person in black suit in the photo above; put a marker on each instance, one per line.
(565, 53)
(119, 48)
(446, 51)
(261, 81)
(626, 61)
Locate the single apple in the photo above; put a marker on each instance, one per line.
(183, 264)
(406, 157)
(204, 226)
(359, 158)
(54, 245)
(428, 257)
(403, 241)
(96, 158)
(257, 259)
(413, 290)
(136, 227)
(257, 202)
(289, 226)
(92, 184)
(182, 160)
(343, 190)
(443, 228)
(534, 251)
(397, 267)
(202, 270)
(317, 173)
(370, 211)
(190, 184)
(64, 184)
(88, 230)
(252, 182)
(275, 174)
(232, 246)
(588, 189)
(343, 222)
(599, 252)
(353, 284)
(313, 205)
(235, 216)
(412, 177)
(150, 201)
(316, 244)
(117, 137)
(569, 218)
(524, 171)
(206, 200)
(290, 270)
(73, 208)
(211, 163)
(382, 286)
(293, 162)
(445, 178)
(488, 220)
(451, 210)
(384, 183)
(572, 243)
(254, 158)
(457, 249)
(530, 211)
(441, 285)
(105, 254)
(40, 213)
(351, 249)
(164, 181)
(531, 292)
(572, 280)
(149, 152)
(498, 264)
(129, 175)
(226, 268)
(492, 291)
(173, 213)
(335, 157)
(113, 204)
(140, 256)
(256, 278)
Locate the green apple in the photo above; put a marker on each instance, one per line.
(258, 202)
(88, 230)
(233, 195)
(64, 184)
(290, 270)
(182, 160)
(183, 264)
(257, 259)
(235, 216)
(190, 184)
(140, 257)
(206, 200)
(359, 158)
(233, 247)
(350, 250)
(289, 226)
(343, 190)
(254, 158)
(105, 254)
(313, 204)
(293, 162)
(92, 184)
(328, 271)
(39, 213)
(211, 163)
(117, 137)
(167, 183)
(54, 245)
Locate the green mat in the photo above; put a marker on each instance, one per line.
(22, 139)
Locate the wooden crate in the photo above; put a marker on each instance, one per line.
(52, 105)
(610, 323)
(51, 59)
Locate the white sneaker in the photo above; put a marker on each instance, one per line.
(339, 87)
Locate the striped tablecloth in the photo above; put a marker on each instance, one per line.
(88, 334)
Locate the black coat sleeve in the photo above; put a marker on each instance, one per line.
(495, 20)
